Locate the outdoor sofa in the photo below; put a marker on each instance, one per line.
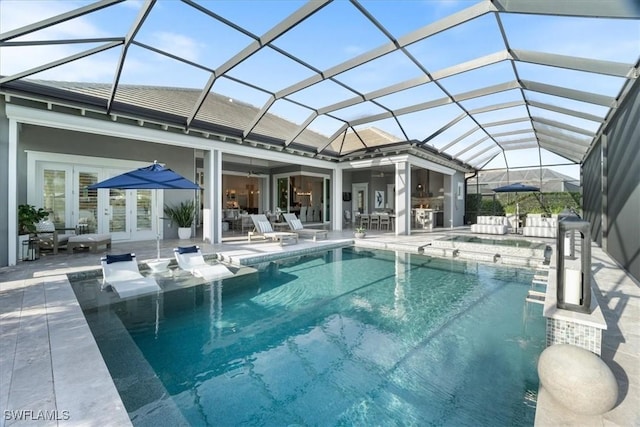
(491, 225)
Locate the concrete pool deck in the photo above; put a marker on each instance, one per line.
(52, 373)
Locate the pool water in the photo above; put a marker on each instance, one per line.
(347, 337)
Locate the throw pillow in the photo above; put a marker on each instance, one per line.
(119, 258)
(45, 226)
(187, 249)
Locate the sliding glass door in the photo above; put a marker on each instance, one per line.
(308, 195)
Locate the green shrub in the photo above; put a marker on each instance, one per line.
(183, 214)
(28, 217)
(503, 203)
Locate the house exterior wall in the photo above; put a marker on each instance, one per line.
(621, 201)
(592, 194)
(623, 184)
(39, 138)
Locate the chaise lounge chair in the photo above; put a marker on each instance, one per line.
(263, 229)
(190, 259)
(296, 226)
(122, 274)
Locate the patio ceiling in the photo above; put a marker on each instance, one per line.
(489, 84)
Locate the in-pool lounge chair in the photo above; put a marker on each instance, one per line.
(190, 259)
(296, 226)
(122, 274)
(264, 229)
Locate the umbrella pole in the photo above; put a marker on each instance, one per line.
(157, 227)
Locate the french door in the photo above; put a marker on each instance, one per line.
(61, 188)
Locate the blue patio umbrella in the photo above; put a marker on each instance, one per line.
(152, 177)
(516, 187)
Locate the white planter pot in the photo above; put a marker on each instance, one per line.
(184, 232)
(359, 235)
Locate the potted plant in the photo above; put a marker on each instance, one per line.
(359, 232)
(28, 217)
(183, 215)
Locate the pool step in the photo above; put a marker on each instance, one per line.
(535, 297)
(540, 279)
(489, 257)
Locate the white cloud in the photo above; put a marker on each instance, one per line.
(132, 4)
(352, 50)
(96, 68)
(16, 14)
(178, 44)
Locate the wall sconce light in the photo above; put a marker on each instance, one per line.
(419, 187)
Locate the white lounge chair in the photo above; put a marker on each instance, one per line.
(264, 229)
(296, 226)
(122, 274)
(190, 259)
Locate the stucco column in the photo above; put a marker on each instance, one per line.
(12, 200)
(403, 198)
(336, 199)
(212, 212)
(449, 201)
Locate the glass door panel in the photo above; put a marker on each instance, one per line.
(117, 211)
(54, 195)
(283, 194)
(143, 210)
(87, 218)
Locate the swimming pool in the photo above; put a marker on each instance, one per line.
(347, 337)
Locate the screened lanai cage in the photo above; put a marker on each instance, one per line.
(479, 85)
(555, 193)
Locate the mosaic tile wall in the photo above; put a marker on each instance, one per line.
(565, 332)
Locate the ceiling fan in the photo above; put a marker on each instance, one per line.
(253, 173)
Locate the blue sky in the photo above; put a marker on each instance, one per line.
(333, 35)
